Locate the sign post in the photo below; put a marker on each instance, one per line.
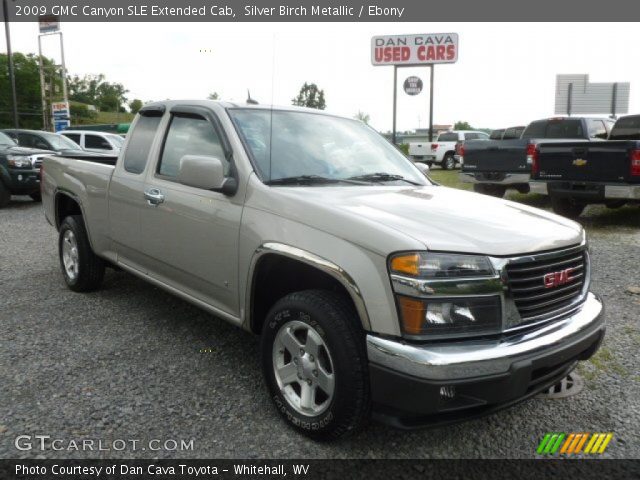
(412, 51)
(50, 25)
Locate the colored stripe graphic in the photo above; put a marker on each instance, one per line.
(573, 443)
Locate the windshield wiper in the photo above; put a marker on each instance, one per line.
(382, 177)
(309, 180)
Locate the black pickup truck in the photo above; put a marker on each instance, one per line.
(19, 170)
(575, 174)
(493, 166)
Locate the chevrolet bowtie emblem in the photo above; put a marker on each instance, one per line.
(579, 162)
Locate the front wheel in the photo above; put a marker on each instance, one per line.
(5, 195)
(82, 269)
(448, 162)
(315, 364)
(567, 207)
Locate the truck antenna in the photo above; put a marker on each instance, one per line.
(250, 100)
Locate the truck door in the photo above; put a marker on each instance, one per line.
(126, 189)
(190, 235)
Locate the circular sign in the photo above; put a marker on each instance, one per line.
(412, 86)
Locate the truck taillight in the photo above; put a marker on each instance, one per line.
(532, 158)
(434, 146)
(635, 162)
(460, 149)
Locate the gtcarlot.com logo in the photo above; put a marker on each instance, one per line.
(574, 443)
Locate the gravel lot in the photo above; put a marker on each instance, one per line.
(132, 362)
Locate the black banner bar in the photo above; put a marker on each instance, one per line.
(322, 11)
(317, 469)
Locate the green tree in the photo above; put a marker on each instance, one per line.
(310, 96)
(27, 76)
(135, 105)
(213, 96)
(462, 126)
(363, 117)
(94, 90)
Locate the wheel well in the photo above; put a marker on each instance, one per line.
(65, 206)
(276, 276)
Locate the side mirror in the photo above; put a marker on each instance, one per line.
(201, 171)
(423, 167)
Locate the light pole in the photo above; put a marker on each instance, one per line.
(12, 77)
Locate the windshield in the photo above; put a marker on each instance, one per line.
(117, 140)
(6, 139)
(60, 142)
(448, 137)
(286, 144)
(626, 128)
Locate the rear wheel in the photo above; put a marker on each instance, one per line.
(448, 162)
(489, 189)
(5, 196)
(315, 364)
(567, 207)
(82, 269)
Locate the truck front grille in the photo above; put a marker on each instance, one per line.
(543, 287)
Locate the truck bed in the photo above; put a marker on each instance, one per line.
(603, 162)
(88, 178)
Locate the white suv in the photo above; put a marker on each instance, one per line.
(442, 151)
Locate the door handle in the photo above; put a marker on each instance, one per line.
(154, 196)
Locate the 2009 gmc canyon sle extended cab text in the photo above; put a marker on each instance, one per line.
(373, 289)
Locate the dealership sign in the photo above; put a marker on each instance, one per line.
(48, 23)
(422, 49)
(61, 114)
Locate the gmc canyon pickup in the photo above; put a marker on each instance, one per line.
(374, 290)
(497, 165)
(575, 174)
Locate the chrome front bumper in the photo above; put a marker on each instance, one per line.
(509, 178)
(476, 358)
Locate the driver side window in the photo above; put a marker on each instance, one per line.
(189, 135)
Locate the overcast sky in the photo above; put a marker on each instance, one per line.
(505, 73)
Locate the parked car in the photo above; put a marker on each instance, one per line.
(45, 141)
(442, 151)
(576, 174)
(99, 142)
(497, 165)
(314, 232)
(19, 170)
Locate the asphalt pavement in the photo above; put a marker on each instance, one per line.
(133, 363)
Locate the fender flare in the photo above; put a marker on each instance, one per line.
(322, 264)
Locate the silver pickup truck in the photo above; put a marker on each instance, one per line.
(375, 291)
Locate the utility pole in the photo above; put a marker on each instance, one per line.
(12, 77)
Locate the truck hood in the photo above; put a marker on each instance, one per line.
(440, 218)
(16, 150)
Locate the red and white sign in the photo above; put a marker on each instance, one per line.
(423, 49)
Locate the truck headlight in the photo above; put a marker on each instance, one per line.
(450, 316)
(440, 265)
(446, 294)
(19, 161)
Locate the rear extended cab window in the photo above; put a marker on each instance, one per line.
(555, 128)
(626, 128)
(448, 137)
(137, 152)
(512, 133)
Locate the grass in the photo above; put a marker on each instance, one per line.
(602, 362)
(595, 217)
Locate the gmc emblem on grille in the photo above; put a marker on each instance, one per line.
(555, 279)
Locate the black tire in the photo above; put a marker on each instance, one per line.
(90, 267)
(430, 164)
(5, 196)
(36, 197)
(333, 318)
(489, 189)
(448, 162)
(567, 207)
